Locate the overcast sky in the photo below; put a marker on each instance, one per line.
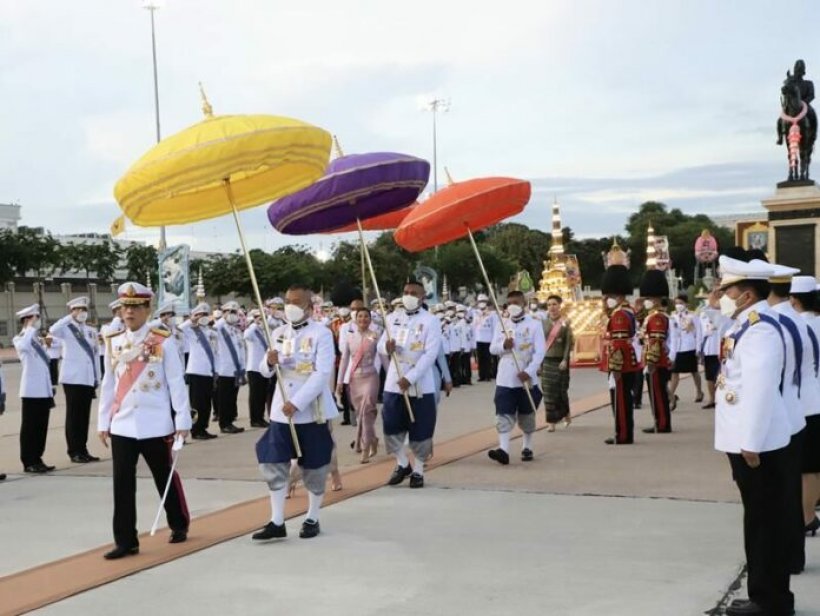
(603, 103)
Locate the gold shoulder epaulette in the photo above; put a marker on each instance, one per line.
(160, 332)
(115, 334)
(754, 317)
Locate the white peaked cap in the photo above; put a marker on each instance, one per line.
(78, 302)
(803, 284)
(202, 308)
(733, 271)
(29, 311)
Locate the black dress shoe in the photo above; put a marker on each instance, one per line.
(637, 407)
(178, 536)
(416, 480)
(38, 468)
(120, 552)
(89, 458)
(270, 531)
(49, 467)
(259, 424)
(2, 476)
(203, 436)
(744, 608)
(649, 430)
(79, 459)
(399, 473)
(310, 528)
(526, 455)
(499, 455)
(811, 527)
(346, 422)
(612, 441)
(711, 405)
(231, 429)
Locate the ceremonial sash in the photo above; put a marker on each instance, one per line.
(86, 347)
(125, 382)
(735, 337)
(261, 338)
(554, 331)
(238, 372)
(815, 350)
(365, 344)
(787, 323)
(41, 353)
(203, 341)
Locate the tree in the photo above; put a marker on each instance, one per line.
(142, 262)
(526, 248)
(27, 250)
(102, 259)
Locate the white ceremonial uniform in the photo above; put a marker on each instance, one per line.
(35, 380)
(224, 360)
(750, 413)
(456, 336)
(77, 368)
(689, 333)
(198, 361)
(55, 349)
(306, 360)
(814, 323)
(115, 325)
(713, 326)
(530, 346)
(144, 411)
(255, 346)
(484, 325)
(418, 338)
(468, 337)
(799, 401)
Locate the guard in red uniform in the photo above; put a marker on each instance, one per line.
(619, 358)
(656, 345)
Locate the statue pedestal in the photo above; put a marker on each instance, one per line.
(794, 227)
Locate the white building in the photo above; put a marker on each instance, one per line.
(9, 216)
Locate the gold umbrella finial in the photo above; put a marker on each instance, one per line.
(450, 180)
(337, 147)
(207, 110)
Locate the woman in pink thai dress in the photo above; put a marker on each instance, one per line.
(359, 367)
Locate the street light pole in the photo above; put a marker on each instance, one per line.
(152, 6)
(435, 105)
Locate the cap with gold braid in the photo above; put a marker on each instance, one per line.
(134, 294)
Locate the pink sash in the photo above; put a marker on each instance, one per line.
(363, 346)
(133, 370)
(556, 328)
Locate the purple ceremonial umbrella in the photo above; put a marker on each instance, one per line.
(356, 186)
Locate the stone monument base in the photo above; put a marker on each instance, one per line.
(794, 226)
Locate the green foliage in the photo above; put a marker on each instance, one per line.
(27, 250)
(102, 259)
(142, 262)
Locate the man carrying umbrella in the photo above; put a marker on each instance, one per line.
(144, 380)
(414, 337)
(303, 350)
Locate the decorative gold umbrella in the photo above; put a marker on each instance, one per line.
(221, 165)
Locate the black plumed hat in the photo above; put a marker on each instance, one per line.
(616, 281)
(654, 284)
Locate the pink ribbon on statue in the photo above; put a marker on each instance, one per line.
(556, 328)
(794, 120)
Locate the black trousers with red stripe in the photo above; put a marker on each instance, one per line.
(125, 452)
(623, 408)
(658, 385)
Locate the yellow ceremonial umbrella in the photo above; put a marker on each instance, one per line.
(221, 165)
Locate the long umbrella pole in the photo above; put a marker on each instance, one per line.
(279, 380)
(384, 317)
(498, 312)
(364, 272)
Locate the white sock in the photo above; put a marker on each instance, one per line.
(504, 441)
(401, 457)
(277, 505)
(418, 466)
(527, 441)
(314, 504)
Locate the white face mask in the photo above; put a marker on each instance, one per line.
(680, 307)
(203, 321)
(35, 323)
(611, 302)
(294, 314)
(648, 304)
(728, 306)
(410, 302)
(514, 310)
(482, 305)
(232, 319)
(82, 317)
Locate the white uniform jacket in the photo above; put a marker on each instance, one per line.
(144, 377)
(813, 322)
(35, 380)
(689, 333)
(256, 345)
(484, 326)
(306, 360)
(750, 413)
(77, 368)
(198, 361)
(418, 337)
(529, 347)
(225, 365)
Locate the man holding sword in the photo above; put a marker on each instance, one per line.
(144, 379)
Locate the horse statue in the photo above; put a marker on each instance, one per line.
(798, 126)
